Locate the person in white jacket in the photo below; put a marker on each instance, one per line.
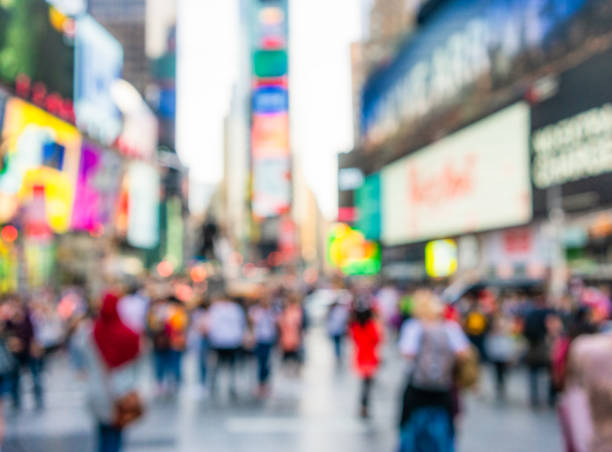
(111, 354)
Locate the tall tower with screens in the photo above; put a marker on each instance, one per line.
(270, 150)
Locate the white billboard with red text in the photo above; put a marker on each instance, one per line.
(473, 180)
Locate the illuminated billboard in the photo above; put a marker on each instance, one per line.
(99, 59)
(441, 259)
(97, 184)
(270, 99)
(270, 135)
(270, 144)
(41, 150)
(37, 55)
(143, 205)
(475, 179)
(571, 139)
(440, 66)
(349, 251)
(369, 207)
(271, 187)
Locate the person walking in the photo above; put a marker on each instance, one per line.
(367, 335)
(291, 326)
(588, 406)
(432, 345)
(337, 321)
(227, 326)
(27, 352)
(501, 349)
(111, 366)
(200, 328)
(160, 340)
(538, 356)
(176, 327)
(263, 320)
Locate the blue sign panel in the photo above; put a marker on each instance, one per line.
(99, 60)
(462, 42)
(270, 99)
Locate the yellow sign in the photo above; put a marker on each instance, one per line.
(59, 195)
(441, 258)
(27, 130)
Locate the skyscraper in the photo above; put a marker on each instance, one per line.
(125, 19)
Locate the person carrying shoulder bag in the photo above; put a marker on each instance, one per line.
(435, 349)
(112, 364)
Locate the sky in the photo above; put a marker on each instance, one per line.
(320, 88)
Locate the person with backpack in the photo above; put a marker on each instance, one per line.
(111, 353)
(367, 335)
(176, 327)
(433, 346)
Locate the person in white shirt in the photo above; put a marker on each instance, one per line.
(226, 329)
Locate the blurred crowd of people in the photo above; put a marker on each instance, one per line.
(256, 328)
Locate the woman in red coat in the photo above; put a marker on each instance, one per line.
(367, 336)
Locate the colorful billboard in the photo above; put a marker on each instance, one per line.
(473, 180)
(270, 135)
(349, 251)
(41, 151)
(270, 144)
(99, 60)
(270, 100)
(97, 186)
(37, 55)
(438, 68)
(271, 187)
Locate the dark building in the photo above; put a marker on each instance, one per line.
(125, 19)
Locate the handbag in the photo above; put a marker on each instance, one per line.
(128, 409)
(576, 421)
(466, 371)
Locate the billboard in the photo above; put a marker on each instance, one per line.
(475, 179)
(97, 184)
(349, 251)
(37, 54)
(270, 135)
(438, 69)
(572, 138)
(270, 99)
(40, 151)
(271, 186)
(99, 60)
(368, 203)
(143, 205)
(270, 147)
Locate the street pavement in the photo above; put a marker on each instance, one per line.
(317, 412)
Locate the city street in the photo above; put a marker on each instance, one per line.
(318, 412)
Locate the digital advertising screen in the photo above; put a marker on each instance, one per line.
(99, 60)
(40, 150)
(472, 180)
(37, 56)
